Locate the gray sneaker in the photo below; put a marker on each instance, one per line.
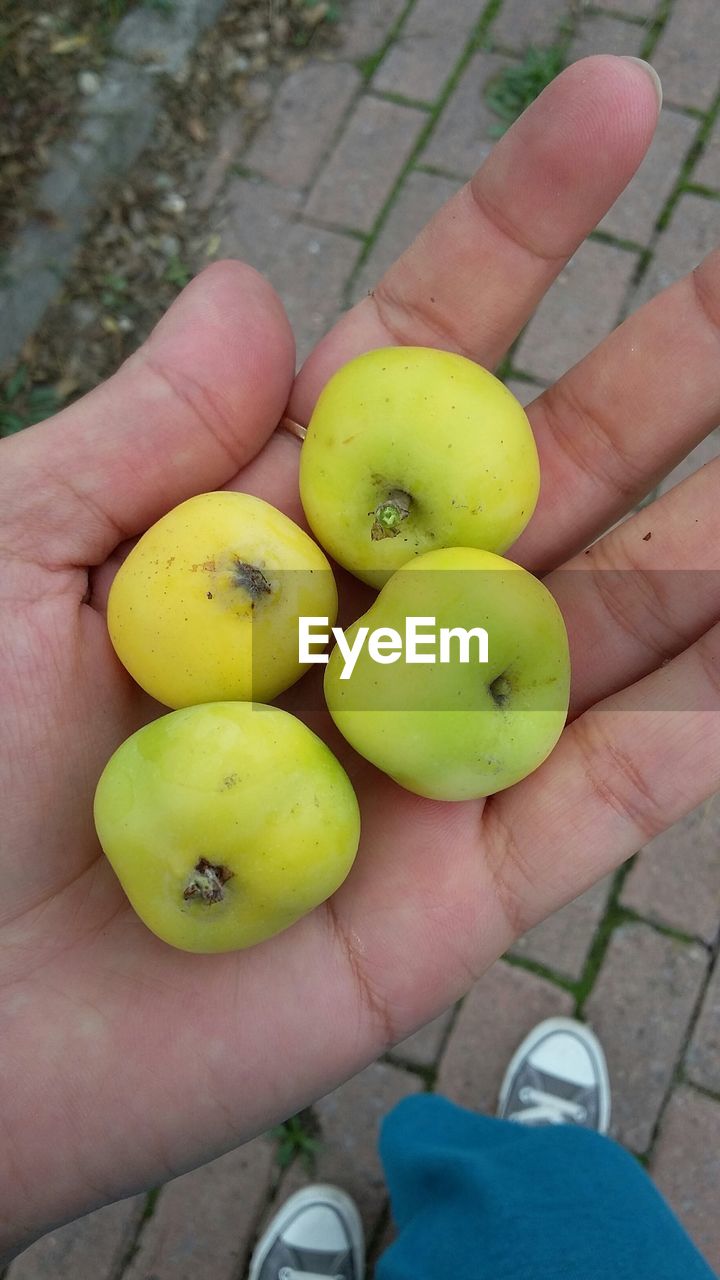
(558, 1075)
(315, 1235)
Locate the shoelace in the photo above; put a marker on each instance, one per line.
(289, 1273)
(547, 1108)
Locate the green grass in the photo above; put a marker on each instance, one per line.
(296, 1140)
(114, 290)
(23, 403)
(513, 89)
(177, 273)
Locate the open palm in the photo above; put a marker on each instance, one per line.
(124, 1061)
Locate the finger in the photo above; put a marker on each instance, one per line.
(181, 416)
(623, 417)
(613, 783)
(476, 273)
(644, 592)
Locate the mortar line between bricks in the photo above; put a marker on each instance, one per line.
(617, 242)
(436, 171)
(631, 916)
(656, 28)
(127, 1258)
(541, 971)
(694, 153)
(428, 1074)
(601, 939)
(363, 91)
(316, 223)
(680, 186)
(325, 155)
(704, 1092)
(488, 15)
(273, 1190)
(397, 1059)
(564, 32)
(398, 99)
(368, 65)
(344, 118)
(682, 109)
(677, 1073)
(697, 189)
(374, 1241)
(608, 11)
(526, 375)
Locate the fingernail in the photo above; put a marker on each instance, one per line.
(652, 73)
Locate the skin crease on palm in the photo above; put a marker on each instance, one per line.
(124, 1061)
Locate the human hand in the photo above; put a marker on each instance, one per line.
(126, 1062)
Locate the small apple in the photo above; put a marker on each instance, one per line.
(225, 823)
(205, 607)
(438, 720)
(410, 449)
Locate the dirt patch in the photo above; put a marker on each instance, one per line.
(149, 235)
(48, 61)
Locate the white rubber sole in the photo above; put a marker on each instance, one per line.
(593, 1046)
(326, 1194)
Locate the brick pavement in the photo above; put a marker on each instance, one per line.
(398, 123)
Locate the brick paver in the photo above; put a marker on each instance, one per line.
(423, 1048)
(499, 1010)
(686, 1166)
(307, 265)
(639, 8)
(366, 25)
(90, 1249)
(603, 33)
(427, 50)
(693, 231)
(676, 878)
(641, 1006)
(203, 1222)
(702, 1063)
(365, 164)
(686, 56)
(563, 941)
(707, 170)
(524, 391)
(520, 24)
(320, 92)
(635, 213)
(565, 328)
(349, 1120)
(421, 195)
(706, 451)
(467, 129)
(222, 153)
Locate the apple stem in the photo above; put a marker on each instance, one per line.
(206, 882)
(389, 515)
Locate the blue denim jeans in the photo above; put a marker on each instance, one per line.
(476, 1198)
